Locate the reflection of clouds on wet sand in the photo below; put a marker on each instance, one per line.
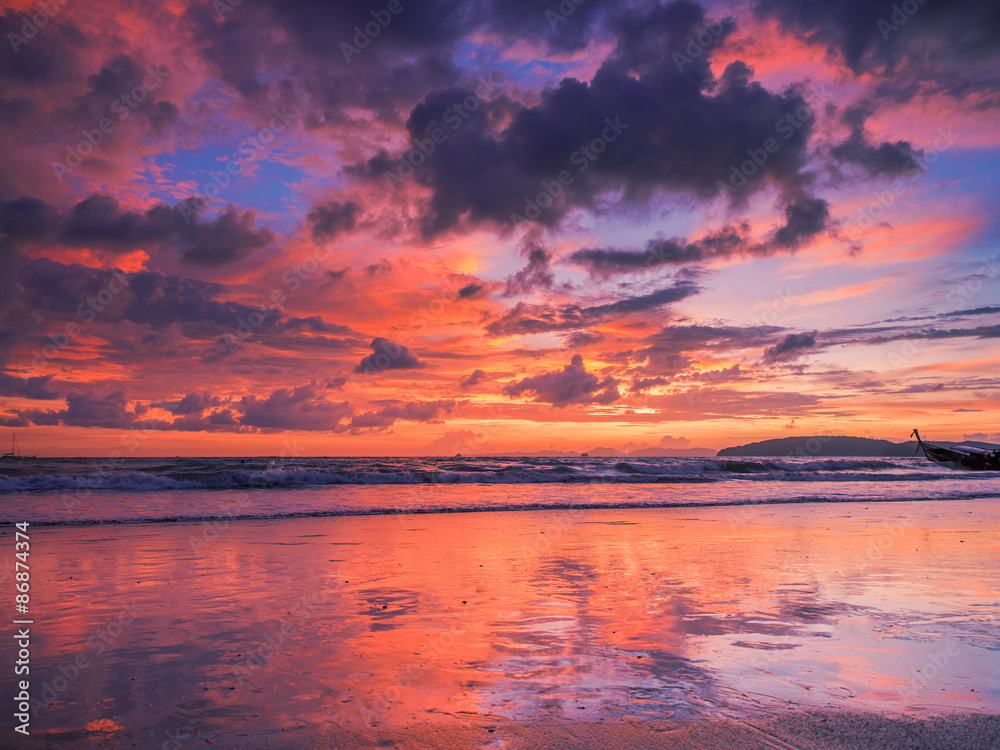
(363, 621)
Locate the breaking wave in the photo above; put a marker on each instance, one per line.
(158, 475)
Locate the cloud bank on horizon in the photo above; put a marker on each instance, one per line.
(378, 226)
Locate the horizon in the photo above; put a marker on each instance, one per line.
(292, 449)
(704, 223)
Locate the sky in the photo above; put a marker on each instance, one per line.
(437, 227)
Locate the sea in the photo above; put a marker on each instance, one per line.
(64, 491)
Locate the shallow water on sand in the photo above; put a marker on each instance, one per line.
(259, 627)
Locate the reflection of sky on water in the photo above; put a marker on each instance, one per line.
(407, 619)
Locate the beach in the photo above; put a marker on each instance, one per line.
(797, 625)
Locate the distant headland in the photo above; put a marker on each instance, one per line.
(815, 445)
(827, 445)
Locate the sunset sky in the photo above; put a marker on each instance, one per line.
(249, 228)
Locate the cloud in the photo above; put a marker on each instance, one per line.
(457, 441)
(607, 261)
(469, 291)
(668, 352)
(668, 441)
(723, 375)
(641, 102)
(301, 408)
(580, 339)
(33, 63)
(192, 403)
(332, 219)
(220, 420)
(571, 385)
(233, 47)
(804, 218)
(101, 222)
(982, 437)
(950, 47)
(473, 378)
(886, 159)
(144, 297)
(644, 384)
(95, 408)
(116, 78)
(525, 319)
(790, 347)
(26, 219)
(414, 411)
(36, 387)
(537, 274)
(991, 310)
(388, 355)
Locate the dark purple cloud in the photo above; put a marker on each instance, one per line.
(331, 219)
(388, 355)
(664, 125)
(790, 347)
(469, 291)
(118, 77)
(922, 47)
(414, 411)
(524, 318)
(193, 403)
(101, 222)
(301, 408)
(571, 385)
(473, 378)
(93, 408)
(644, 384)
(804, 219)
(885, 159)
(36, 387)
(537, 274)
(673, 251)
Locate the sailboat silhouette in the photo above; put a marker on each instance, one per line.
(15, 452)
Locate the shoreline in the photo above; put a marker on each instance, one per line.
(590, 624)
(351, 501)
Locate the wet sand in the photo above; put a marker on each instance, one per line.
(807, 626)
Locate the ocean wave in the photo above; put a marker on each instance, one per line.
(159, 475)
